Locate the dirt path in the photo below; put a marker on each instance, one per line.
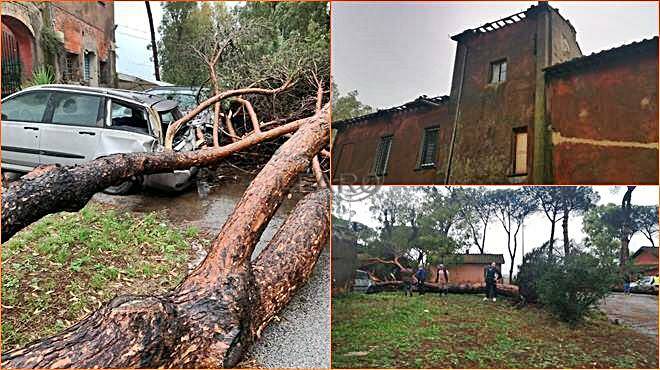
(638, 311)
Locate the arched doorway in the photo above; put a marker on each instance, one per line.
(17, 54)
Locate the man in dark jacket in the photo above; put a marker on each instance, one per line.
(408, 278)
(421, 279)
(491, 275)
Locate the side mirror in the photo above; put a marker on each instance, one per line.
(4, 117)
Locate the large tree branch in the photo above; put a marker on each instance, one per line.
(211, 318)
(175, 126)
(48, 190)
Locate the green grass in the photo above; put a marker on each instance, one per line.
(390, 330)
(66, 265)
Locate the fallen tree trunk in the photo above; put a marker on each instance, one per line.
(465, 288)
(211, 318)
(54, 188)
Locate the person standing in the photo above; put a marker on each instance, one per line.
(491, 275)
(407, 276)
(443, 279)
(421, 279)
(626, 283)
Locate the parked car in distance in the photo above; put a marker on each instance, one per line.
(645, 282)
(69, 124)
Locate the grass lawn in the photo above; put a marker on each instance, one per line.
(461, 331)
(66, 265)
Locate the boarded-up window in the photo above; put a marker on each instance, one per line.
(382, 156)
(520, 152)
(429, 149)
(498, 71)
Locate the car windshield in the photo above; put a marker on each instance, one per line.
(186, 101)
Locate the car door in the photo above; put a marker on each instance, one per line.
(73, 130)
(23, 115)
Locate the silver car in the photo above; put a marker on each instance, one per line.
(68, 124)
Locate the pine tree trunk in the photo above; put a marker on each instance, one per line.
(53, 188)
(212, 317)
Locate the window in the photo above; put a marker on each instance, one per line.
(520, 151)
(382, 156)
(76, 109)
(28, 107)
(498, 71)
(129, 118)
(70, 66)
(429, 148)
(87, 67)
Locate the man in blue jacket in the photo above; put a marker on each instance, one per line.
(421, 279)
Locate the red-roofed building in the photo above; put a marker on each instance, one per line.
(646, 258)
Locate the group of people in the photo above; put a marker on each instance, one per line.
(419, 279)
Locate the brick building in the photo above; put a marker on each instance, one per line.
(75, 38)
(468, 268)
(646, 259)
(525, 106)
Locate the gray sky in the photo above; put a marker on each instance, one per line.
(133, 37)
(394, 52)
(537, 226)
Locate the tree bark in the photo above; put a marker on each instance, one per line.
(564, 226)
(154, 47)
(465, 288)
(625, 229)
(211, 318)
(52, 189)
(551, 242)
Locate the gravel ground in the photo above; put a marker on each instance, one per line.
(301, 337)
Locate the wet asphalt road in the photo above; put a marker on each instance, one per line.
(638, 311)
(301, 336)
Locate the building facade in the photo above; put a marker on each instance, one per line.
(525, 107)
(646, 260)
(468, 268)
(74, 39)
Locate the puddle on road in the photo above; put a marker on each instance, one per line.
(209, 214)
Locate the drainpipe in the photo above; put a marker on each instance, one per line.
(456, 116)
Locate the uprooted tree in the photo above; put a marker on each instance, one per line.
(213, 315)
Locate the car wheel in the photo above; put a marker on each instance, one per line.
(121, 189)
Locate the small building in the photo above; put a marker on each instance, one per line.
(468, 268)
(646, 259)
(75, 39)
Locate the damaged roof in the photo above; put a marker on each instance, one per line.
(422, 101)
(635, 48)
(506, 21)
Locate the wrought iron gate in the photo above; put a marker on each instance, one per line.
(11, 63)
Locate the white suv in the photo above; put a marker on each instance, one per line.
(67, 124)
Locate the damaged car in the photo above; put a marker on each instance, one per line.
(69, 124)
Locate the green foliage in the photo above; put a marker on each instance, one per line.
(534, 266)
(572, 285)
(42, 75)
(347, 106)
(50, 43)
(269, 43)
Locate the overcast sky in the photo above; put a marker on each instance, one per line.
(394, 52)
(537, 226)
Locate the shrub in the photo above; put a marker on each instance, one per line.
(534, 265)
(576, 282)
(42, 75)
